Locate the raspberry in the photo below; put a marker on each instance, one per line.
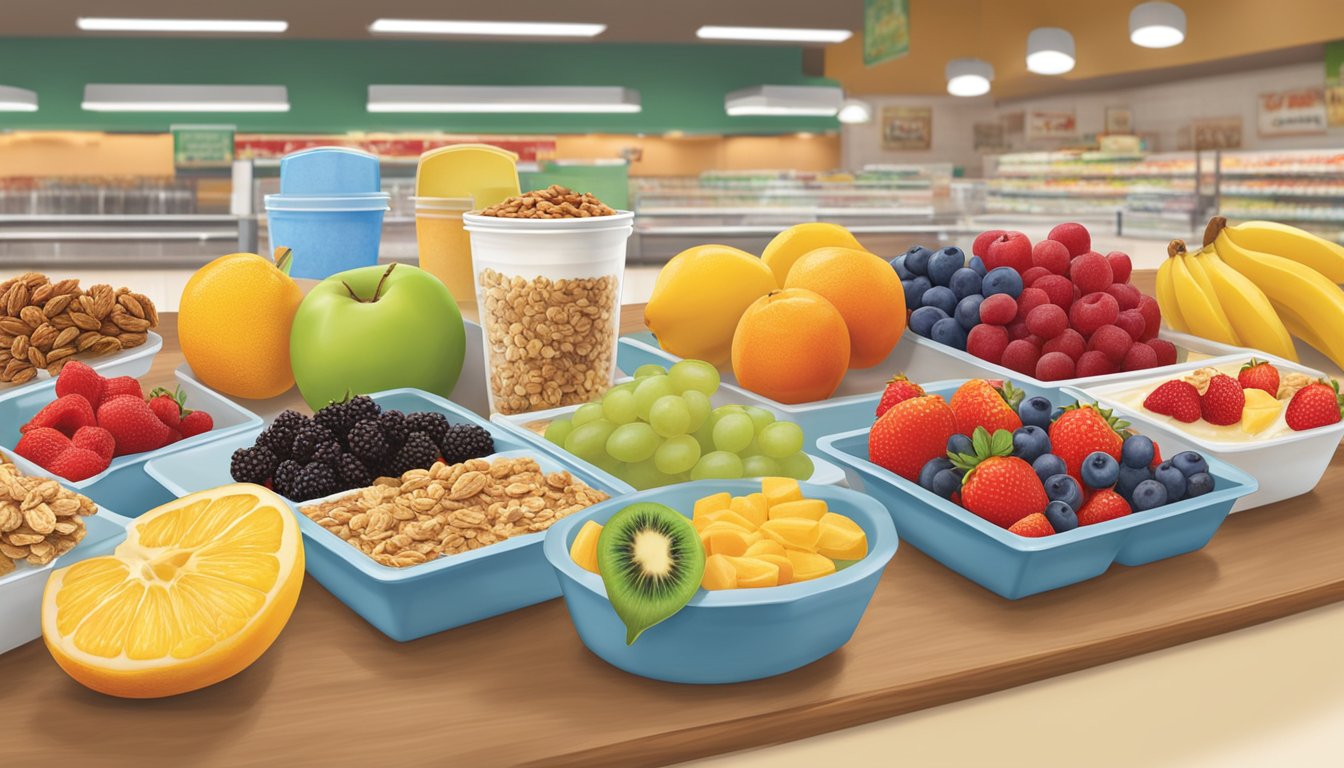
(999, 309)
(1048, 321)
(1126, 295)
(1121, 266)
(981, 245)
(1030, 299)
(1018, 330)
(1090, 272)
(1074, 236)
(987, 342)
(1051, 255)
(1165, 350)
(1035, 273)
(1093, 311)
(1070, 342)
(1111, 341)
(1131, 322)
(1138, 357)
(1058, 288)
(1036, 341)
(1093, 363)
(1054, 366)
(1021, 356)
(1152, 316)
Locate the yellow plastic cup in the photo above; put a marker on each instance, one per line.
(444, 245)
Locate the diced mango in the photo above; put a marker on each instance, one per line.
(841, 538)
(719, 573)
(778, 490)
(584, 549)
(810, 565)
(794, 532)
(752, 507)
(729, 516)
(785, 567)
(723, 538)
(1261, 411)
(808, 509)
(765, 547)
(710, 504)
(754, 572)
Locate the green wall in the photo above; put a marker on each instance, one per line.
(682, 86)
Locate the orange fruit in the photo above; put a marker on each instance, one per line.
(791, 346)
(699, 297)
(866, 291)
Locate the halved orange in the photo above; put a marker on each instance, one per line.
(199, 589)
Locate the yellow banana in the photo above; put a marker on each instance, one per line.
(1246, 306)
(1199, 309)
(1166, 298)
(1291, 243)
(1300, 328)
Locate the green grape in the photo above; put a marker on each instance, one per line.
(694, 375)
(609, 465)
(698, 404)
(586, 413)
(760, 417)
(558, 430)
(677, 454)
(753, 449)
(781, 439)
(761, 466)
(632, 442)
(733, 432)
(669, 416)
(718, 465)
(627, 386)
(649, 369)
(619, 406)
(705, 436)
(799, 466)
(649, 389)
(730, 408)
(589, 441)
(644, 475)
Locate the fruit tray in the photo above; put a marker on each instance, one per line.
(1288, 465)
(732, 635)
(133, 362)
(124, 485)
(1014, 566)
(404, 603)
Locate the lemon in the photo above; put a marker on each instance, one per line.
(801, 239)
(699, 297)
(198, 591)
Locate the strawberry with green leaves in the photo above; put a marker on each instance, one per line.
(998, 486)
(910, 433)
(988, 404)
(899, 389)
(1316, 405)
(1083, 429)
(1258, 374)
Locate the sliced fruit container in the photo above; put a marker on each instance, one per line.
(134, 362)
(124, 485)
(404, 603)
(1014, 566)
(1287, 465)
(728, 636)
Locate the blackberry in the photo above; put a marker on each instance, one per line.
(352, 472)
(367, 443)
(432, 424)
(314, 481)
(309, 438)
(465, 441)
(418, 452)
(279, 436)
(394, 428)
(335, 418)
(362, 407)
(253, 465)
(328, 453)
(285, 475)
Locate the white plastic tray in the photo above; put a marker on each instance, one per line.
(134, 362)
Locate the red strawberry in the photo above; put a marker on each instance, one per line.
(910, 433)
(1315, 405)
(1082, 429)
(173, 437)
(899, 389)
(982, 403)
(77, 378)
(1157, 455)
(1104, 505)
(77, 464)
(1176, 398)
(998, 486)
(122, 385)
(1258, 374)
(167, 406)
(195, 423)
(96, 439)
(1223, 401)
(66, 414)
(132, 424)
(42, 445)
(1032, 526)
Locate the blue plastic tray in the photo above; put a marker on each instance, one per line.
(728, 636)
(404, 603)
(124, 485)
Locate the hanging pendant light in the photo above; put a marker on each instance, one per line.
(1050, 51)
(1156, 25)
(969, 77)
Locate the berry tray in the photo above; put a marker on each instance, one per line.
(124, 485)
(404, 603)
(736, 635)
(1013, 566)
(133, 362)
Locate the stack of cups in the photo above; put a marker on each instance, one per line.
(445, 247)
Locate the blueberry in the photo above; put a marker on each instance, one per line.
(922, 320)
(1002, 280)
(960, 444)
(965, 282)
(1147, 495)
(1129, 479)
(917, 259)
(1100, 470)
(932, 467)
(1198, 484)
(968, 311)
(944, 263)
(914, 291)
(1137, 451)
(1035, 411)
(1061, 516)
(942, 297)
(948, 331)
(1030, 443)
(1055, 414)
(1064, 488)
(978, 264)
(1049, 465)
(1172, 479)
(898, 264)
(947, 482)
(1190, 463)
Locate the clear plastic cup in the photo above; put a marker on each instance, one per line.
(549, 298)
(444, 245)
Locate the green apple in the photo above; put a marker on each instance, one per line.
(376, 328)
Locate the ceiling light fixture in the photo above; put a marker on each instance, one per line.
(968, 77)
(185, 98)
(502, 99)
(774, 34)
(781, 100)
(1050, 51)
(486, 28)
(105, 24)
(1156, 25)
(854, 111)
(17, 99)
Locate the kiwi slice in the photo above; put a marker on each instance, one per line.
(651, 562)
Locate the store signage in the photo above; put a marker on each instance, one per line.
(1334, 83)
(886, 30)
(202, 146)
(907, 128)
(256, 146)
(1051, 125)
(1293, 113)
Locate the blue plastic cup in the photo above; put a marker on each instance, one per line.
(327, 234)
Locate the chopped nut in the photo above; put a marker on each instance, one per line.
(39, 520)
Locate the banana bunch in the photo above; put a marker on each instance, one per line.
(1257, 284)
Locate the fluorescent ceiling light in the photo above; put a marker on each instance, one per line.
(793, 100)
(1156, 25)
(487, 28)
(17, 99)
(774, 34)
(502, 98)
(186, 98)
(1050, 51)
(855, 111)
(968, 77)
(102, 24)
